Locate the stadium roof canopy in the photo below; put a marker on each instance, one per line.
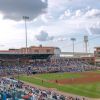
(24, 56)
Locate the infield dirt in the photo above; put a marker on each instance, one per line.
(86, 78)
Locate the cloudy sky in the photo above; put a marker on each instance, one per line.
(51, 23)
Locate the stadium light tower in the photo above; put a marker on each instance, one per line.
(86, 42)
(73, 40)
(25, 18)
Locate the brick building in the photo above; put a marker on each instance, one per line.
(97, 55)
(29, 54)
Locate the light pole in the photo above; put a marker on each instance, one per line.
(18, 68)
(86, 43)
(25, 18)
(73, 40)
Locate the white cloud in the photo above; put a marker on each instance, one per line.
(62, 39)
(67, 13)
(78, 13)
(93, 13)
(84, 13)
(44, 19)
(95, 31)
(43, 36)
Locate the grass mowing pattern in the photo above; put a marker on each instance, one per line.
(89, 90)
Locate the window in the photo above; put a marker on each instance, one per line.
(48, 50)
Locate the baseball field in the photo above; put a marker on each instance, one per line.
(81, 83)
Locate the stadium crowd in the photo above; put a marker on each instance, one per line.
(48, 66)
(11, 89)
(63, 65)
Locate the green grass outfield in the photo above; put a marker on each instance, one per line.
(89, 90)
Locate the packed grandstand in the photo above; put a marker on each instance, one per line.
(11, 89)
(47, 66)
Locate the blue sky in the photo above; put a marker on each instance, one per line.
(51, 23)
